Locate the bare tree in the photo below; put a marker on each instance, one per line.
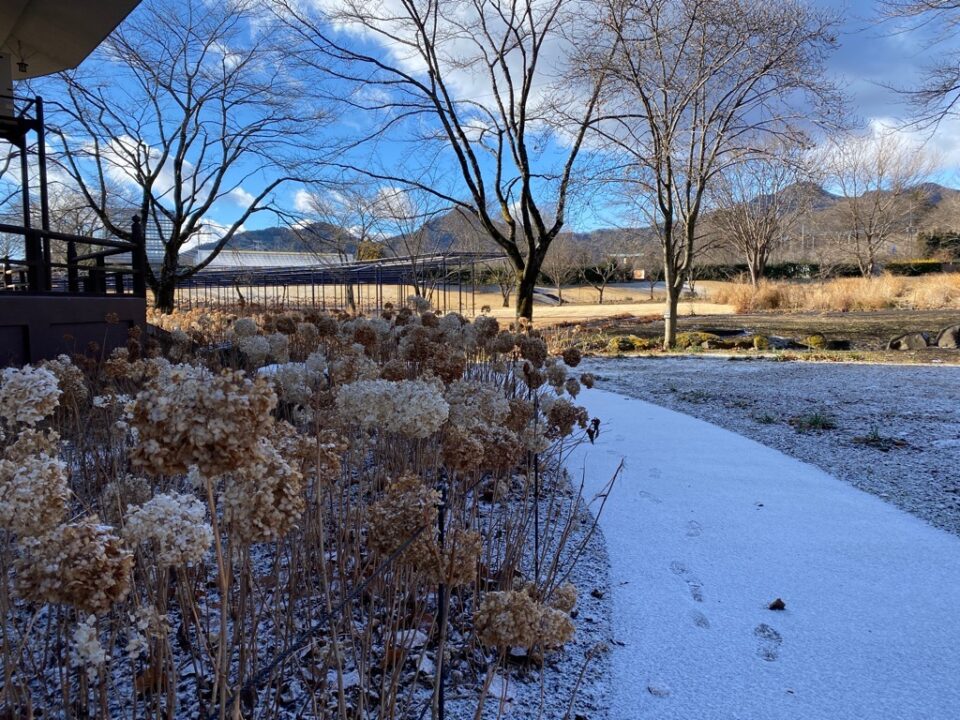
(938, 93)
(878, 176)
(695, 84)
(407, 220)
(603, 262)
(472, 84)
(760, 200)
(181, 116)
(562, 263)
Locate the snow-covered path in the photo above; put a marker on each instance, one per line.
(705, 528)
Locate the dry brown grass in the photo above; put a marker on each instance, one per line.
(930, 292)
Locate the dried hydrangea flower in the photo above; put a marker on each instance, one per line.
(85, 649)
(413, 408)
(33, 494)
(121, 493)
(514, 618)
(474, 403)
(456, 563)
(572, 356)
(407, 506)
(572, 387)
(264, 500)
(82, 564)
(245, 327)
(28, 395)
(146, 623)
(70, 379)
(506, 619)
(172, 526)
(255, 350)
(562, 416)
(588, 380)
(564, 597)
(196, 418)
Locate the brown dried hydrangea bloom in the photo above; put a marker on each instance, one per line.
(572, 356)
(192, 417)
(521, 413)
(407, 506)
(562, 415)
(82, 564)
(507, 619)
(564, 597)
(70, 378)
(533, 349)
(462, 450)
(33, 494)
(514, 618)
(456, 563)
(121, 493)
(264, 500)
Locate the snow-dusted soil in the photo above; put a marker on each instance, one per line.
(897, 431)
(706, 528)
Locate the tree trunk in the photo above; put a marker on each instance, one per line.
(670, 316)
(526, 283)
(754, 273)
(600, 291)
(164, 294)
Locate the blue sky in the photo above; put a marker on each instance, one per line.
(870, 57)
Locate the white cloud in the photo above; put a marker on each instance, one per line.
(241, 197)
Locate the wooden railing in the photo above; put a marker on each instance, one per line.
(54, 262)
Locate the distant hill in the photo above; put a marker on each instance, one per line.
(456, 230)
(316, 237)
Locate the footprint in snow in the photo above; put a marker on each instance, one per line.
(694, 529)
(700, 620)
(656, 473)
(770, 642)
(692, 581)
(649, 496)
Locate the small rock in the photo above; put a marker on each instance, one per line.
(777, 604)
(909, 341)
(597, 593)
(949, 337)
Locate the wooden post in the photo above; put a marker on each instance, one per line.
(139, 258)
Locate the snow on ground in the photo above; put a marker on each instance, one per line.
(897, 431)
(705, 528)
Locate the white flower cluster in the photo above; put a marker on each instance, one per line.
(410, 407)
(255, 349)
(146, 622)
(85, 648)
(244, 327)
(33, 494)
(474, 403)
(173, 526)
(27, 395)
(295, 382)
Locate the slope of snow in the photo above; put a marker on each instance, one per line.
(705, 528)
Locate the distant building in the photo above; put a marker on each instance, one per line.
(233, 259)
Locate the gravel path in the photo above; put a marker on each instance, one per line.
(896, 429)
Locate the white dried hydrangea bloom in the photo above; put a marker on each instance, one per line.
(474, 403)
(85, 648)
(33, 494)
(173, 526)
(255, 349)
(28, 395)
(413, 408)
(244, 327)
